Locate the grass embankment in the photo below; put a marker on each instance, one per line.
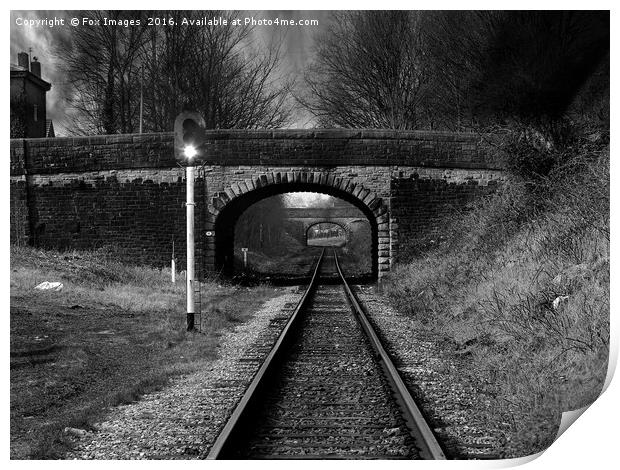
(112, 334)
(519, 289)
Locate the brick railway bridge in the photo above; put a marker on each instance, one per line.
(345, 218)
(127, 192)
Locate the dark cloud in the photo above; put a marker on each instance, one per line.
(44, 41)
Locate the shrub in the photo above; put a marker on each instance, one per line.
(524, 278)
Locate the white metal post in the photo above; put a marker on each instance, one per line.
(173, 266)
(189, 177)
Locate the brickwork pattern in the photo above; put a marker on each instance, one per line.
(130, 215)
(19, 221)
(128, 191)
(421, 207)
(258, 147)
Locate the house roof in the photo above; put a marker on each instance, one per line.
(19, 72)
(49, 128)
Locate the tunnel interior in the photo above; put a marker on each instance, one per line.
(231, 228)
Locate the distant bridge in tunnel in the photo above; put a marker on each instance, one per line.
(128, 192)
(322, 213)
(308, 217)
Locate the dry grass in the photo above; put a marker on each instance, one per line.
(112, 334)
(491, 293)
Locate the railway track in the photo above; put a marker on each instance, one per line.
(327, 389)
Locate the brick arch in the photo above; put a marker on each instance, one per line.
(226, 206)
(356, 221)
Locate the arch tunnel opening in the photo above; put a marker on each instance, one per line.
(245, 223)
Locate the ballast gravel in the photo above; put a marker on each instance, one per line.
(454, 406)
(183, 420)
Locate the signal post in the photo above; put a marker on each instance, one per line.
(189, 137)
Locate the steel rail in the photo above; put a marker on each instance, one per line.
(429, 447)
(231, 426)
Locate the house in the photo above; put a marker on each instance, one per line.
(28, 99)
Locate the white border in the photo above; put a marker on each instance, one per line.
(591, 443)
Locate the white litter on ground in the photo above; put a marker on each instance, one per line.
(55, 286)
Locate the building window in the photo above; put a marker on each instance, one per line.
(36, 113)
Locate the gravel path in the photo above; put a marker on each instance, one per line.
(454, 406)
(182, 420)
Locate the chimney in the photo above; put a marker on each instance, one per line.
(35, 67)
(22, 60)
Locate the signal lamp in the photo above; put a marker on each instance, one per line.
(190, 152)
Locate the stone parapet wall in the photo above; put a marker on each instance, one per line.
(253, 147)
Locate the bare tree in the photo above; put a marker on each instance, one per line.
(102, 67)
(455, 42)
(520, 68)
(369, 72)
(455, 70)
(217, 70)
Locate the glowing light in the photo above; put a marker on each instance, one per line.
(190, 152)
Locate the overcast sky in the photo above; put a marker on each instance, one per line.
(297, 51)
